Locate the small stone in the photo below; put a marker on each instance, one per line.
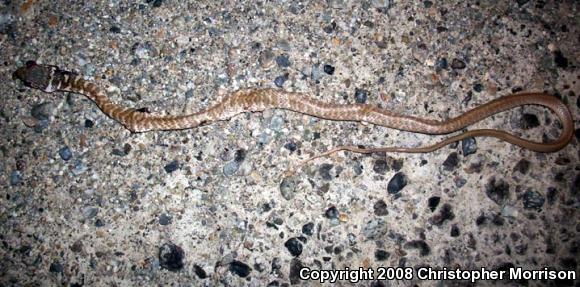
(441, 64)
(201, 274)
(294, 246)
(231, 168)
(171, 257)
(90, 212)
(497, 190)
(266, 59)
(280, 80)
(454, 231)
(239, 268)
(523, 166)
(99, 222)
(283, 61)
(381, 166)
(115, 29)
(381, 255)
(79, 168)
(533, 200)
(15, 178)
(423, 247)
(171, 167)
(560, 60)
(457, 64)
(308, 228)
(427, 4)
(445, 214)
(157, 3)
(398, 182)
(276, 123)
(529, 121)
(375, 228)
(478, 87)
(56, 267)
(65, 153)
(324, 171)
(328, 69)
(291, 146)
(451, 162)
(41, 111)
(360, 95)
(89, 124)
(165, 219)
(380, 208)
(434, 202)
(468, 146)
(288, 187)
(332, 213)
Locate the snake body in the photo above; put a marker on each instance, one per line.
(51, 78)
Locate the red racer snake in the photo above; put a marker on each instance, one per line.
(51, 78)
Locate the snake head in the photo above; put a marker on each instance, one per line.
(37, 76)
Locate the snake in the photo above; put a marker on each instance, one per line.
(49, 78)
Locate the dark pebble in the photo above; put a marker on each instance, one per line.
(171, 167)
(324, 171)
(89, 124)
(468, 146)
(481, 219)
(330, 28)
(280, 80)
(331, 213)
(427, 4)
(291, 146)
(115, 30)
(497, 190)
(360, 95)
(522, 2)
(451, 162)
(478, 87)
(397, 164)
(577, 131)
(397, 183)
(199, 271)
(157, 3)
(239, 268)
(575, 188)
(165, 219)
(294, 246)
(551, 195)
(308, 228)
(99, 222)
(240, 155)
(497, 220)
(433, 202)
(533, 200)
(380, 208)
(523, 166)
(454, 231)
(382, 255)
(560, 60)
(283, 61)
(329, 69)
(423, 247)
(529, 121)
(41, 111)
(441, 64)
(56, 267)
(171, 257)
(381, 166)
(288, 187)
(445, 214)
(65, 153)
(15, 178)
(457, 64)
(294, 275)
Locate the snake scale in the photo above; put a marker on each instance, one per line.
(50, 78)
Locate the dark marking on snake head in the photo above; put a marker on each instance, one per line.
(43, 77)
